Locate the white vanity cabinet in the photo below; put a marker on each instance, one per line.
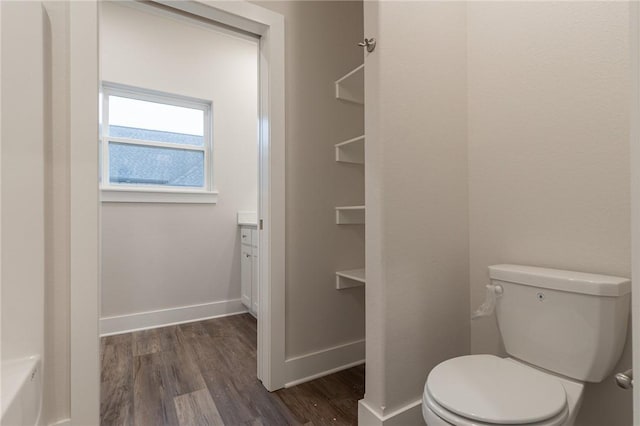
(246, 267)
(249, 267)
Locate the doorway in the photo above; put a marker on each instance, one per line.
(84, 197)
(179, 166)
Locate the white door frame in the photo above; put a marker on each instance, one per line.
(84, 192)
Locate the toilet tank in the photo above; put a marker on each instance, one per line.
(571, 323)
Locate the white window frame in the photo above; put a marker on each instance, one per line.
(133, 193)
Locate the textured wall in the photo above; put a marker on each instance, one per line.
(26, 78)
(23, 143)
(417, 235)
(549, 96)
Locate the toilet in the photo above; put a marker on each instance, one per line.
(561, 330)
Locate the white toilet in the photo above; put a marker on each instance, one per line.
(561, 328)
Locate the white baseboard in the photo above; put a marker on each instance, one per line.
(408, 415)
(65, 422)
(171, 316)
(311, 366)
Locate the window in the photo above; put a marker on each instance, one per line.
(154, 147)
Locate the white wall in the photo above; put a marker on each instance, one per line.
(159, 256)
(549, 97)
(26, 117)
(24, 76)
(417, 201)
(321, 40)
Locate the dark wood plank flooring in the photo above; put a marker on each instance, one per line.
(204, 373)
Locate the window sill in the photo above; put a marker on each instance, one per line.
(131, 195)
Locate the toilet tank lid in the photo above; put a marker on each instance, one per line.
(556, 279)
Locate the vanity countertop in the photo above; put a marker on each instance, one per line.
(247, 218)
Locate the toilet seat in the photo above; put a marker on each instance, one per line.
(453, 419)
(488, 390)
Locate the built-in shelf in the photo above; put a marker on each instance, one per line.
(351, 87)
(351, 278)
(350, 215)
(351, 151)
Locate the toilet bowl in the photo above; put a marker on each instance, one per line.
(561, 329)
(483, 390)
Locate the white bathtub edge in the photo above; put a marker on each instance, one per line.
(15, 374)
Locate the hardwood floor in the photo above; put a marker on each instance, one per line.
(204, 373)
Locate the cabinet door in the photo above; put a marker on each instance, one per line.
(246, 272)
(254, 281)
(245, 235)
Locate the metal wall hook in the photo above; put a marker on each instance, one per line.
(369, 43)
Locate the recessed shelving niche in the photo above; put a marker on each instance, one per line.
(350, 88)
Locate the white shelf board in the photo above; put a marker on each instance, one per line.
(351, 151)
(350, 215)
(351, 87)
(350, 278)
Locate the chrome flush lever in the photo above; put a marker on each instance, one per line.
(625, 380)
(369, 43)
